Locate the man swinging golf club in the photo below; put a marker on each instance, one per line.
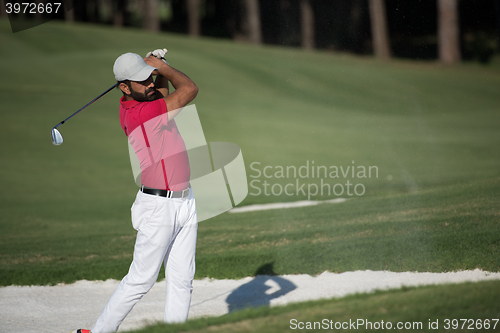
(164, 211)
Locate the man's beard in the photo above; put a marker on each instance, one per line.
(144, 97)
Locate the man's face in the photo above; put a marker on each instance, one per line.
(143, 91)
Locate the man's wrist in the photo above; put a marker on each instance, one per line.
(163, 70)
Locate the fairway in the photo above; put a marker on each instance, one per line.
(308, 123)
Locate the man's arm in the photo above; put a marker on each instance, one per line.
(161, 84)
(185, 89)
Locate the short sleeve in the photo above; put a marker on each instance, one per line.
(153, 109)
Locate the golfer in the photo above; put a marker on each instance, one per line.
(164, 211)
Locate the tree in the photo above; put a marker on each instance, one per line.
(69, 12)
(193, 8)
(356, 26)
(151, 19)
(448, 36)
(307, 24)
(3, 12)
(251, 21)
(119, 9)
(380, 36)
(497, 11)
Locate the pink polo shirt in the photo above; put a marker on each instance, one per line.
(157, 143)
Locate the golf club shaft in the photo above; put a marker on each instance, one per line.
(92, 101)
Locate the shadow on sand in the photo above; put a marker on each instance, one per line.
(260, 291)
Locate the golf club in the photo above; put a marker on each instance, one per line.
(57, 138)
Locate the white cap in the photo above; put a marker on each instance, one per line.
(131, 66)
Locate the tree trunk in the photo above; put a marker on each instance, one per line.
(151, 18)
(193, 7)
(107, 11)
(69, 15)
(97, 11)
(497, 11)
(119, 13)
(3, 12)
(355, 28)
(37, 16)
(307, 24)
(380, 35)
(448, 39)
(251, 21)
(92, 10)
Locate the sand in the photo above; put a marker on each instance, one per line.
(61, 308)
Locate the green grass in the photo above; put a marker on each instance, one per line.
(415, 307)
(435, 230)
(432, 131)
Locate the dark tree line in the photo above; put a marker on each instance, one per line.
(426, 29)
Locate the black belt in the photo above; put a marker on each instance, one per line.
(165, 193)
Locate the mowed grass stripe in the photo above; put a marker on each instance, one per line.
(433, 231)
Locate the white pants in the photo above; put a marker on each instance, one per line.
(167, 230)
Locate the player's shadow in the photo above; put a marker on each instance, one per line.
(260, 291)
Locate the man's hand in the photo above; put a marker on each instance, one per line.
(158, 53)
(155, 62)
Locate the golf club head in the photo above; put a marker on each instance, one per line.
(57, 138)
